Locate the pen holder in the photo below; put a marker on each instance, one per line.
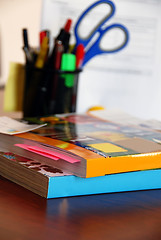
(49, 92)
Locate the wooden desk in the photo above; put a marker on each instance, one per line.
(118, 216)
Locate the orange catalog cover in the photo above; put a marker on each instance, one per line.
(87, 146)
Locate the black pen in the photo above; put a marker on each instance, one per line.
(25, 38)
(26, 48)
(64, 35)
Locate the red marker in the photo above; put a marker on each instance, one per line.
(68, 25)
(80, 52)
(43, 34)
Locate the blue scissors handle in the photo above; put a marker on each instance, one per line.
(86, 40)
(95, 49)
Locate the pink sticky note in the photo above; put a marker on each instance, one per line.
(47, 153)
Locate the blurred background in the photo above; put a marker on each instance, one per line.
(14, 16)
(129, 80)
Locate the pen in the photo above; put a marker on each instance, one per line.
(40, 61)
(56, 82)
(80, 52)
(44, 33)
(64, 35)
(68, 63)
(58, 50)
(28, 55)
(25, 37)
(35, 90)
(26, 48)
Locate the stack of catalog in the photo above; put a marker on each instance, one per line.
(82, 154)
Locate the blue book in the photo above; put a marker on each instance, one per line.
(50, 182)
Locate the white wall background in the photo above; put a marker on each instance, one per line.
(130, 79)
(14, 16)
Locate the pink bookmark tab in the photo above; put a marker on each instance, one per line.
(47, 153)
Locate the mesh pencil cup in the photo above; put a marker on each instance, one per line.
(48, 91)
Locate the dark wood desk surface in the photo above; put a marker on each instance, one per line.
(118, 216)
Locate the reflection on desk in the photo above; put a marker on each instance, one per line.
(131, 215)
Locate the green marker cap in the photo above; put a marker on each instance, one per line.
(68, 63)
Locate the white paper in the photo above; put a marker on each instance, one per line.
(120, 117)
(129, 79)
(12, 127)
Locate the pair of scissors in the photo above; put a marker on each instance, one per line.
(100, 30)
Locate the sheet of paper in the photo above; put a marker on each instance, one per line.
(12, 127)
(129, 79)
(120, 117)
